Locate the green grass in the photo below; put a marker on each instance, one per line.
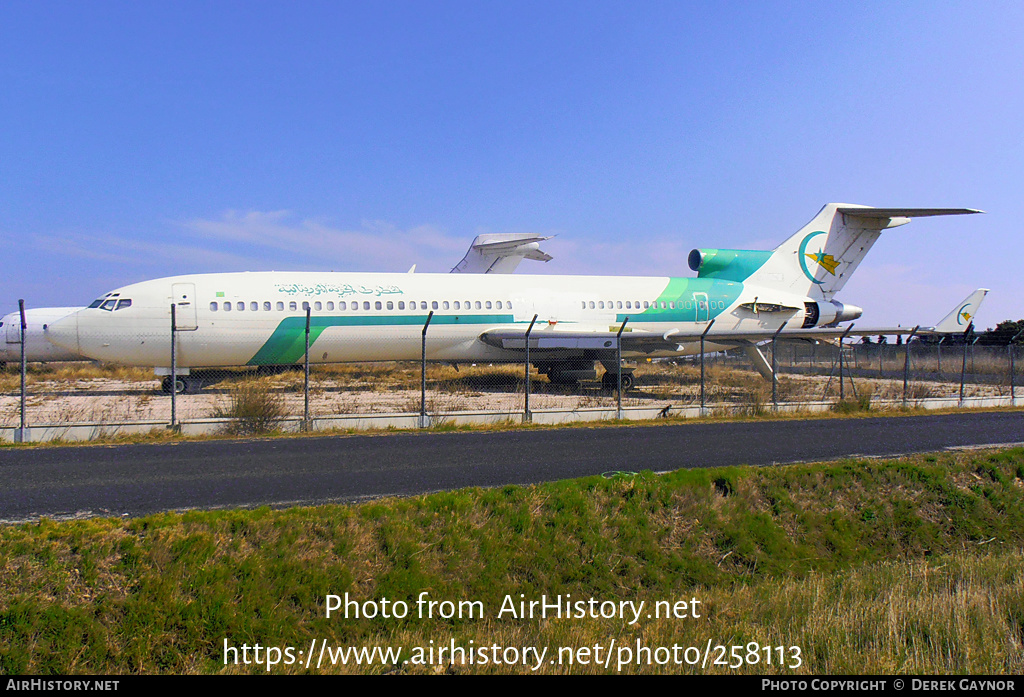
(870, 566)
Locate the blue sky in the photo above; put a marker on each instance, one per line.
(145, 139)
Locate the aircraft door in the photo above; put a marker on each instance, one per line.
(183, 297)
(700, 307)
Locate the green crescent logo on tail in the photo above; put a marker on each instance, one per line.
(825, 261)
(962, 315)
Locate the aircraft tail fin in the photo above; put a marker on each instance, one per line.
(963, 314)
(820, 258)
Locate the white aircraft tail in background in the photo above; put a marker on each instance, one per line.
(963, 314)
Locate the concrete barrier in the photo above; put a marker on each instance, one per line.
(39, 433)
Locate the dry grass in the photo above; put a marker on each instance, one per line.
(254, 408)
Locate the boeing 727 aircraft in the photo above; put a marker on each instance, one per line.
(739, 298)
(37, 347)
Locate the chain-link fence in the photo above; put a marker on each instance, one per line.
(84, 400)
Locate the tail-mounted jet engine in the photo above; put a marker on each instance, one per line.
(827, 314)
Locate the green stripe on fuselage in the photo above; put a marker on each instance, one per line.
(288, 342)
(681, 291)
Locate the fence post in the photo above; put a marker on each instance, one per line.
(618, 368)
(702, 336)
(938, 351)
(1009, 347)
(424, 419)
(775, 371)
(963, 364)
(174, 369)
(842, 387)
(19, 437)
(906, 363)
(527, 414)
(306, 424)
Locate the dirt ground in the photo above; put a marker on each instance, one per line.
(74, 395)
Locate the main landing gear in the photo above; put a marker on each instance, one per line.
(610, 380)
(185, 384)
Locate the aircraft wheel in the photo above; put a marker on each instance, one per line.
(610, 381)
(181, 385)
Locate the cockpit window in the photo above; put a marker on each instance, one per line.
(97, 302)
(123, 303)
(109, 304)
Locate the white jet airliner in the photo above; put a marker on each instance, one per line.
(739, 298)
(37, 347)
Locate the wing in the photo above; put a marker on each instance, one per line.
(673, 341)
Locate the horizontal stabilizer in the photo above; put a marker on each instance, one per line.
(864, 212)
(501, 252)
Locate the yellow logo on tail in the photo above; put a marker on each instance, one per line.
(826, 261)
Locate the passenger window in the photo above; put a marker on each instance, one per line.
(342, 305)
(293, 306)
(241, 306)
(401, 304)
(266, 306)
(444, 305)
(600, 304)
(457, 305)
(584, 304)
(391, 305)
(213, 307)
(618, 304)
(433, 305)
(423, 304)
(227, 307)
(628, 305)
(499, 304)
(488, 304)
(254, 306)
(366, 305)
(330, 305)
(377, 305)
(478, 305)
(318, 306)
(355, 306)
(305, 305)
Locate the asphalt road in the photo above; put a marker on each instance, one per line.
(139, 479)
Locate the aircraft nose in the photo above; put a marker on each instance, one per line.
(64, 332)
